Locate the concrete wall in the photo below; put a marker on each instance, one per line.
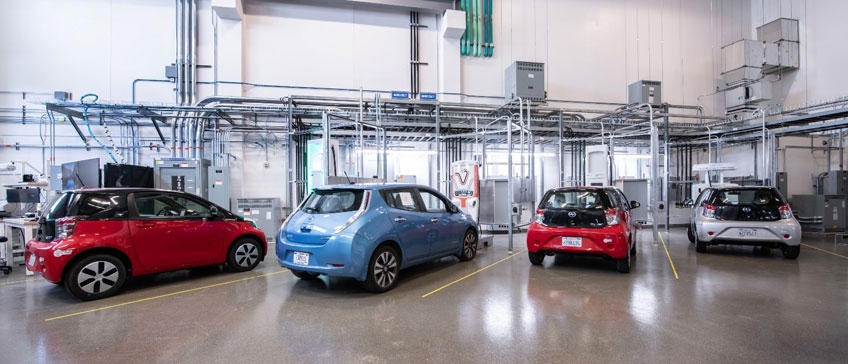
(592, 50)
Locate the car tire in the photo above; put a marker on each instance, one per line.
(469, 246)
(383, 270)
(244, 255)
(623, 265)
(633, 246)
(536, 258)
(95, 277)
(690, 234)
(700, 246)
(791, 252)
(306, 276)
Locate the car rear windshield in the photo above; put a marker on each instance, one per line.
(755, 197)
(332, 201)
(583, 199)
(58, 207)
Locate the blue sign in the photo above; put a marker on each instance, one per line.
(400, 95)
(427, 96)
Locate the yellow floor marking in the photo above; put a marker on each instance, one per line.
(669, 257)
(20, 281)
(164, 295)
(826, 251)
(473, 273)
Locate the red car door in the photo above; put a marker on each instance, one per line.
(171, 230)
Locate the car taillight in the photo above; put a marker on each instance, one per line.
(65, 227)
(540, 217)
(785, 212)
(612, 217)
(366, 198)
(709, 211)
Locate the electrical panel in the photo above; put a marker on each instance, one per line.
(525, 80)
(645, 92)
(823, 213)
(179, 174)
(265, 211)
(219, 186)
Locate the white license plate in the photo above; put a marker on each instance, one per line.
(31, 261)
(747, 233)
(572, 242)
(301, 258)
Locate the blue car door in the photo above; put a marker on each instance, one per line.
(409, 221)
(444, 232)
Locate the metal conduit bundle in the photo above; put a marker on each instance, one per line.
(478, 38)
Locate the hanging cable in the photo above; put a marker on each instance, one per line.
(88, 126)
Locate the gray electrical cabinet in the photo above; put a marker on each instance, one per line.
(645, 92)
(823, 213)
(495, 207)
(219, 186)
(179, 174)
(265, 211)
(782, 184)
(836, 183)
(525, 80)
(636, 190)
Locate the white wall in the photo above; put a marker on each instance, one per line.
(592, 50)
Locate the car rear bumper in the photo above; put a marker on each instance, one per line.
(609, 241)
(337, 257)
(787, 232)
(40, 259)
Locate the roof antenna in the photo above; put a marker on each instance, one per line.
(348, 178)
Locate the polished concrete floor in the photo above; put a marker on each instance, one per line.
(731, 305)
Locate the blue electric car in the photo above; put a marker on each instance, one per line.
(371, 232)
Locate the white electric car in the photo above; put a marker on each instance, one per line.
(757, 216)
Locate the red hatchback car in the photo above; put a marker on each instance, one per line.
(93, 240)
(584, 221)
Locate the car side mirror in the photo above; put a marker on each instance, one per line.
(214, 212)
(634, 204)
(453, 209)
(3, 239)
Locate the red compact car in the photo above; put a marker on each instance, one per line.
(585, 221)
(93, 240)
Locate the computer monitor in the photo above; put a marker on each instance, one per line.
(79, 174)
(22, 195)
(127, 175)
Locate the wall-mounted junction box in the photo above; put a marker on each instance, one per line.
(525, 80)
(645, 92)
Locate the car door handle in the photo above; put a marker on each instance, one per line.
(400, 219)
(434, 220)
(145, 226)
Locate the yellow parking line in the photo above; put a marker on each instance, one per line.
(826, 251)
(20, 281)
(669, 257)
(163, 296)
(473, 273)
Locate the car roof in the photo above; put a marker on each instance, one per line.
(374, 186)
(724, 188)
(119, 190)
(599, 188)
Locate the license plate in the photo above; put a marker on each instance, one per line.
(747, 233)
(301, 258)
(572, 242)
(31, 261)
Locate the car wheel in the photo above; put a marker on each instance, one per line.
(306, 276)
(791, 252)
(633, 245)
(243, 255)
(700, 246)
(95, 277)
(623, 265)
(536, 258)
(469, 246)
(383, 270)
(690, 234)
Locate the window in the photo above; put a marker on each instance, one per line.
(756, 197)
(333, 201)
(573, 199)
(624, 203)
(169, 205)
(99, 205)
(701, 197)
(403, 200)
(432, 202)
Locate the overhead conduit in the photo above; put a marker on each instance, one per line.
(477, 40)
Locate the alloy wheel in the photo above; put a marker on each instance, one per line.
(246, 254)
(98, 276)
(469, 245)
(385, 269)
